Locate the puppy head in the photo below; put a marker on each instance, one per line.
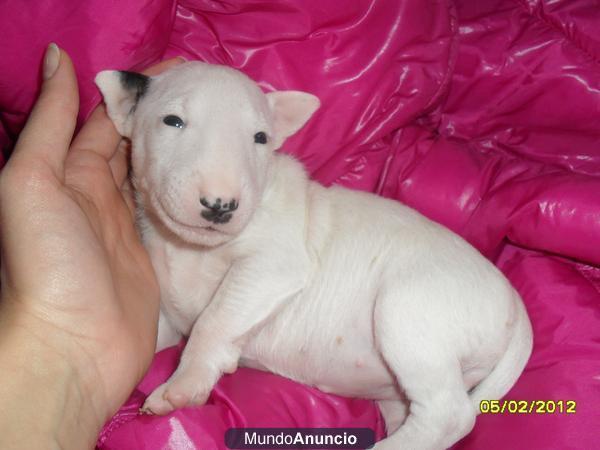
(202, 138)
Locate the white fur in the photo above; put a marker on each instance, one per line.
(352, 293)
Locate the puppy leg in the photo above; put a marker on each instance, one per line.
(440, 411)
(250, 293)
(394, 413)
(203, 361)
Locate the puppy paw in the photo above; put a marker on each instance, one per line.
(185, 389)
(156, 403)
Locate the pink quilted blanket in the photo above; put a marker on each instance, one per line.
(484, 115)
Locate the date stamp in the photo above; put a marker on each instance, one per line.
(528, 406)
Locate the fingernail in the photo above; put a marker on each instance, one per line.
(51, 60)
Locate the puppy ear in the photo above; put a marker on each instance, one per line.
(122, 91)
(291, 110)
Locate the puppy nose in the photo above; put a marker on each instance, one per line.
(218, 211)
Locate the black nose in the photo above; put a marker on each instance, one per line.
(218, 212)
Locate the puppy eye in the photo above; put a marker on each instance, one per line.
(260, 137)
(173, 121)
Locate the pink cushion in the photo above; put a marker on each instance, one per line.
(482, 115)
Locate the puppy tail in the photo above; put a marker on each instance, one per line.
(511, 364)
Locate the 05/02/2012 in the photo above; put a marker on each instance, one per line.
(528, 406)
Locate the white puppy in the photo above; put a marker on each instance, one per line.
(259, 266)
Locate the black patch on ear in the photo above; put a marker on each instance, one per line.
(136, 82)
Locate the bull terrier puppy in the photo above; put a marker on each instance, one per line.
(260, 266)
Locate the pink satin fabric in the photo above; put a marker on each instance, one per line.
(483, 115)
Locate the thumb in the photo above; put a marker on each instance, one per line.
(49, 129)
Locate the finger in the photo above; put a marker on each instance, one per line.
(99, 134)
(128, 196)
(119, 163)
(49, 129)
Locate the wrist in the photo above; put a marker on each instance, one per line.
(46, 400)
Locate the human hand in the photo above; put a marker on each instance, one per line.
(78, 288)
